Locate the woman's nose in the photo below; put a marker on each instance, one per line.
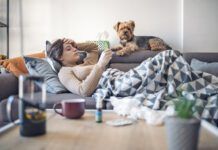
(74, 49)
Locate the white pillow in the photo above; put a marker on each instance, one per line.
(54, 64)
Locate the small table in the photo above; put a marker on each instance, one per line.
(85, 134)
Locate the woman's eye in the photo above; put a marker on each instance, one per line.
(68, 49)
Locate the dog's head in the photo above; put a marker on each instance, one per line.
(125, 30)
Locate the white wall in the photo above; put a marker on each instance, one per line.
(201, 25)
(191, 26)
(84, 19)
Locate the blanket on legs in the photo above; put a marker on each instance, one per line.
(158, 78)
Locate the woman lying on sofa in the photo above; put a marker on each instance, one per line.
(152, 82)
(79, 79)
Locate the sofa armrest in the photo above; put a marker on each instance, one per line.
(8, 85)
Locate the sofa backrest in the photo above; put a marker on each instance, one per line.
(206, 57)
(125, 63)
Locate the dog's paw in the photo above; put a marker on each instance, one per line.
(120, 53)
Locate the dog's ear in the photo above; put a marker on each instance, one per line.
(116, 26)
(132, 23)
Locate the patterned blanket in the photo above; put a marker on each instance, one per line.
(158, 78)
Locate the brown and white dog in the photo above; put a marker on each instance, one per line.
(130, 43)
(125, 32)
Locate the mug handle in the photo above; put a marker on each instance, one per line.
(55, 109)
(8, 108)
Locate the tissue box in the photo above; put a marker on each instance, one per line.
(102, 45)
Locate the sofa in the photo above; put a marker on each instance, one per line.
(9, 83)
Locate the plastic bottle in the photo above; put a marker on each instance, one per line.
(98, 113)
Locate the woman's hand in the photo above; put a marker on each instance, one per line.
(105, 58)
(70, 41)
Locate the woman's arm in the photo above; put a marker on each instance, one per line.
(92, 52)
(85, 87)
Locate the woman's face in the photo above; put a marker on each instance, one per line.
(70, 55)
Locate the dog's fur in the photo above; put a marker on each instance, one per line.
(130, 43)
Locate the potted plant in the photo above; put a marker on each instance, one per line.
(183, 129)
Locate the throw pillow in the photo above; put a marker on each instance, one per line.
(56, 66)
(17, 65)
(40, 67)
(211, 68)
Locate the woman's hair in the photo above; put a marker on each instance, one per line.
(55, 51)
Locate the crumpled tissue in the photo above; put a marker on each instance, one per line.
(133, 109)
